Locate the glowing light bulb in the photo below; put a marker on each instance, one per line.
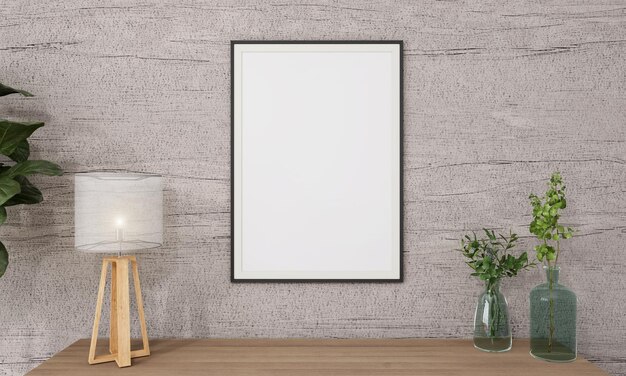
(119, 222)
(119, 229)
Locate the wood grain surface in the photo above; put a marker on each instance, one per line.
(498, 94)
(295, 357)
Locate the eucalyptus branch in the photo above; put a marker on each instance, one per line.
(545, 224)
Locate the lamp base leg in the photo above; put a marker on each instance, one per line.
(119, 341)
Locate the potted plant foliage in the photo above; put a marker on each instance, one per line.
(15, 188)
(491, 260)
(552, 305)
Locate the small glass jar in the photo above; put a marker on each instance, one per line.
(492, 329)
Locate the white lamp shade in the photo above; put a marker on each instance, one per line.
(118, 212)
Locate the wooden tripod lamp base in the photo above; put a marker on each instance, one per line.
(119, 340)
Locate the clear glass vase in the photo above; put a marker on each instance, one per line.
(553, 320)
(492, 330)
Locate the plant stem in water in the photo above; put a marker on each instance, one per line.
(494, 308)
(551, 285)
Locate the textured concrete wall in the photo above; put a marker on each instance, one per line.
(497, 96)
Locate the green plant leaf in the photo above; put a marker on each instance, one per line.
(3, 214)
(29, 194)
(12, 133)
(4, 259)
(21, 152)
(26, 168)
(8, 189)
(6, 90)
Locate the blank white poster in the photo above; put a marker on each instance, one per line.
(316, 161)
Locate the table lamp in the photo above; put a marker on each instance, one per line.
(118, 213)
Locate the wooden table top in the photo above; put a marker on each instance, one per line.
(297, 357)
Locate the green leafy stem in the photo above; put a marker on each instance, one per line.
(546, 227)
(490, 257)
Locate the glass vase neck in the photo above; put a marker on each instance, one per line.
(493, 286)
(552, 273)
